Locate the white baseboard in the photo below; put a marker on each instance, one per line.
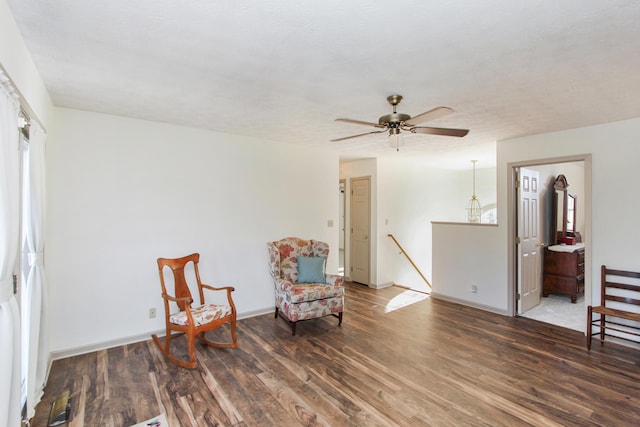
(381, 285)
(76, 351)
(469, 304)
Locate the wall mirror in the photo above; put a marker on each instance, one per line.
(559, 222)
(561, 209)
(571, 213)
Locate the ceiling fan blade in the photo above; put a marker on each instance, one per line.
(359, 122)
(436, 113)
(440, 131)
(356, 136)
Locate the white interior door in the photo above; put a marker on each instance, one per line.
(530, 245)
(360, 229)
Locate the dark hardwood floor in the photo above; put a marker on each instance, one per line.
(429, 363)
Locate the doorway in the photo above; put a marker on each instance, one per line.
(359, 237)
(553, 309)
(531, 239)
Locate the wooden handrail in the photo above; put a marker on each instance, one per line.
(410, 260)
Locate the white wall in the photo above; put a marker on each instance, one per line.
(17, 61)
(463, 257)
(467, 254)
(412, 195)
(408, 194)
(123, 192)
(611, 233)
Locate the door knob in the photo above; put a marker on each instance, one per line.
(540, 244)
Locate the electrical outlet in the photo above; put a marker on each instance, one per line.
(152, 313)
(474, 289)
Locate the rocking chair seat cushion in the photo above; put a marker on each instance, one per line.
(202, 314)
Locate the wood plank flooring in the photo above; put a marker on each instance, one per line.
(429, 363)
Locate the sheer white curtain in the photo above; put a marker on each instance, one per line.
(9, 231)
(35, 307)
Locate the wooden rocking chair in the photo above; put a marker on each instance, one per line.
(192, 321)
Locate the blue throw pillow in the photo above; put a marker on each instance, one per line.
(311, 269)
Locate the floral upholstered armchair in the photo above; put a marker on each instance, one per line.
(303, 289)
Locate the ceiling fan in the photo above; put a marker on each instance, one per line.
(395, 122)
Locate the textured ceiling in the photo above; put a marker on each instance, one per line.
(283, 70)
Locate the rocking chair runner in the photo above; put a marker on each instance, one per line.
(192, 321)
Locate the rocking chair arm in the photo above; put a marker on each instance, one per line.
(170, 298)
(230, 288)
(187, 306)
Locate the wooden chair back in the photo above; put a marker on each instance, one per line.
(181, 286)
(628, 293)
(619, 309)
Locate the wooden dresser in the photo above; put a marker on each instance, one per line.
(564, 270)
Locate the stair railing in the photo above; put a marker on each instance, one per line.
(410, 260)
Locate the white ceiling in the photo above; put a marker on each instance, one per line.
(283, 70)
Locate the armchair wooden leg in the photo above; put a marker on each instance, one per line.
(291, 324)
(339, 317)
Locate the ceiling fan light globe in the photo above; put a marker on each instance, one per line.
(395, 139)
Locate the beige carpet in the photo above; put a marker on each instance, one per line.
(558, 310)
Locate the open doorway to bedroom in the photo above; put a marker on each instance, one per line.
(552, 304)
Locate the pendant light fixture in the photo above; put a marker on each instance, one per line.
(474, 211)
